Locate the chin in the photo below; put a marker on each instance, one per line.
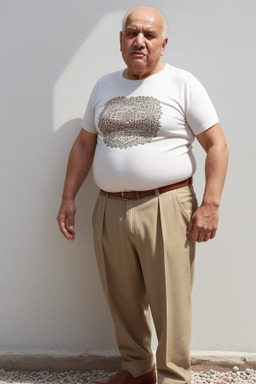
(138, 64)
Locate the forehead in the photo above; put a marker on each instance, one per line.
(144, 18)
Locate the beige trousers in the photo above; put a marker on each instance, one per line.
(146, 260)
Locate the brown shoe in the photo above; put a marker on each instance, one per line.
(125, 377)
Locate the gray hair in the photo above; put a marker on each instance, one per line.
(159, 13)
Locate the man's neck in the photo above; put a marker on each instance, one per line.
(137, 74)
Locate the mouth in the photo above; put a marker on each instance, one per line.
(138, 54)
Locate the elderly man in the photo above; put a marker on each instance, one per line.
(137, 131)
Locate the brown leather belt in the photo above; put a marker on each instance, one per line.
(138, 194)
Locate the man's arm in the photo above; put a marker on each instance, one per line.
(204, 222)
(79, 164)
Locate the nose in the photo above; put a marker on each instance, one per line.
(140, 41)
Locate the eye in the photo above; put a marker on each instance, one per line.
(149, 36)
(131, 34)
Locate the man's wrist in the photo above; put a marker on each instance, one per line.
(213, 203)
(68, 197)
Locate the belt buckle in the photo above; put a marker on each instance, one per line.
(123, 195)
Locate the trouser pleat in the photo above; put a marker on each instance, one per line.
(145, 257)
(123, 284)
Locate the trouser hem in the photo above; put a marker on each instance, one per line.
(166, 380)
(138, 368)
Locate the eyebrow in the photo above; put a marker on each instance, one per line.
(150, 29)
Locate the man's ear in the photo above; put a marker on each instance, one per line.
(121, 37)
(164, 45)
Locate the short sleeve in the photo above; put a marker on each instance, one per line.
(88, 119)
(200, 112)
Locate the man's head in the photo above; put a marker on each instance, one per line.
(143, 40)
(162, 16)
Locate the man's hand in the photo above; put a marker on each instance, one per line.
(66, 218)
(204, 223)
(79, 164)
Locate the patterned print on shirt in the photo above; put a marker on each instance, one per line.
(130, 121)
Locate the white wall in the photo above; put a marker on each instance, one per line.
(52, 52)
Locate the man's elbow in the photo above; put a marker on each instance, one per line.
(225, 149)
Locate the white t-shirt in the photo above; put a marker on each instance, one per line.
(146, 128)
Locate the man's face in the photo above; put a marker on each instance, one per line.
(142, 43)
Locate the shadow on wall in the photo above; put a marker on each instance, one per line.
(52, 280)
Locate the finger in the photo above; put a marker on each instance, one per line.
(193, 235)
(200, 237)
(213, 234)
(206, 237)
(197, 234)
(70, 227)
(70, 224)
(190, 227)
(63, 229)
